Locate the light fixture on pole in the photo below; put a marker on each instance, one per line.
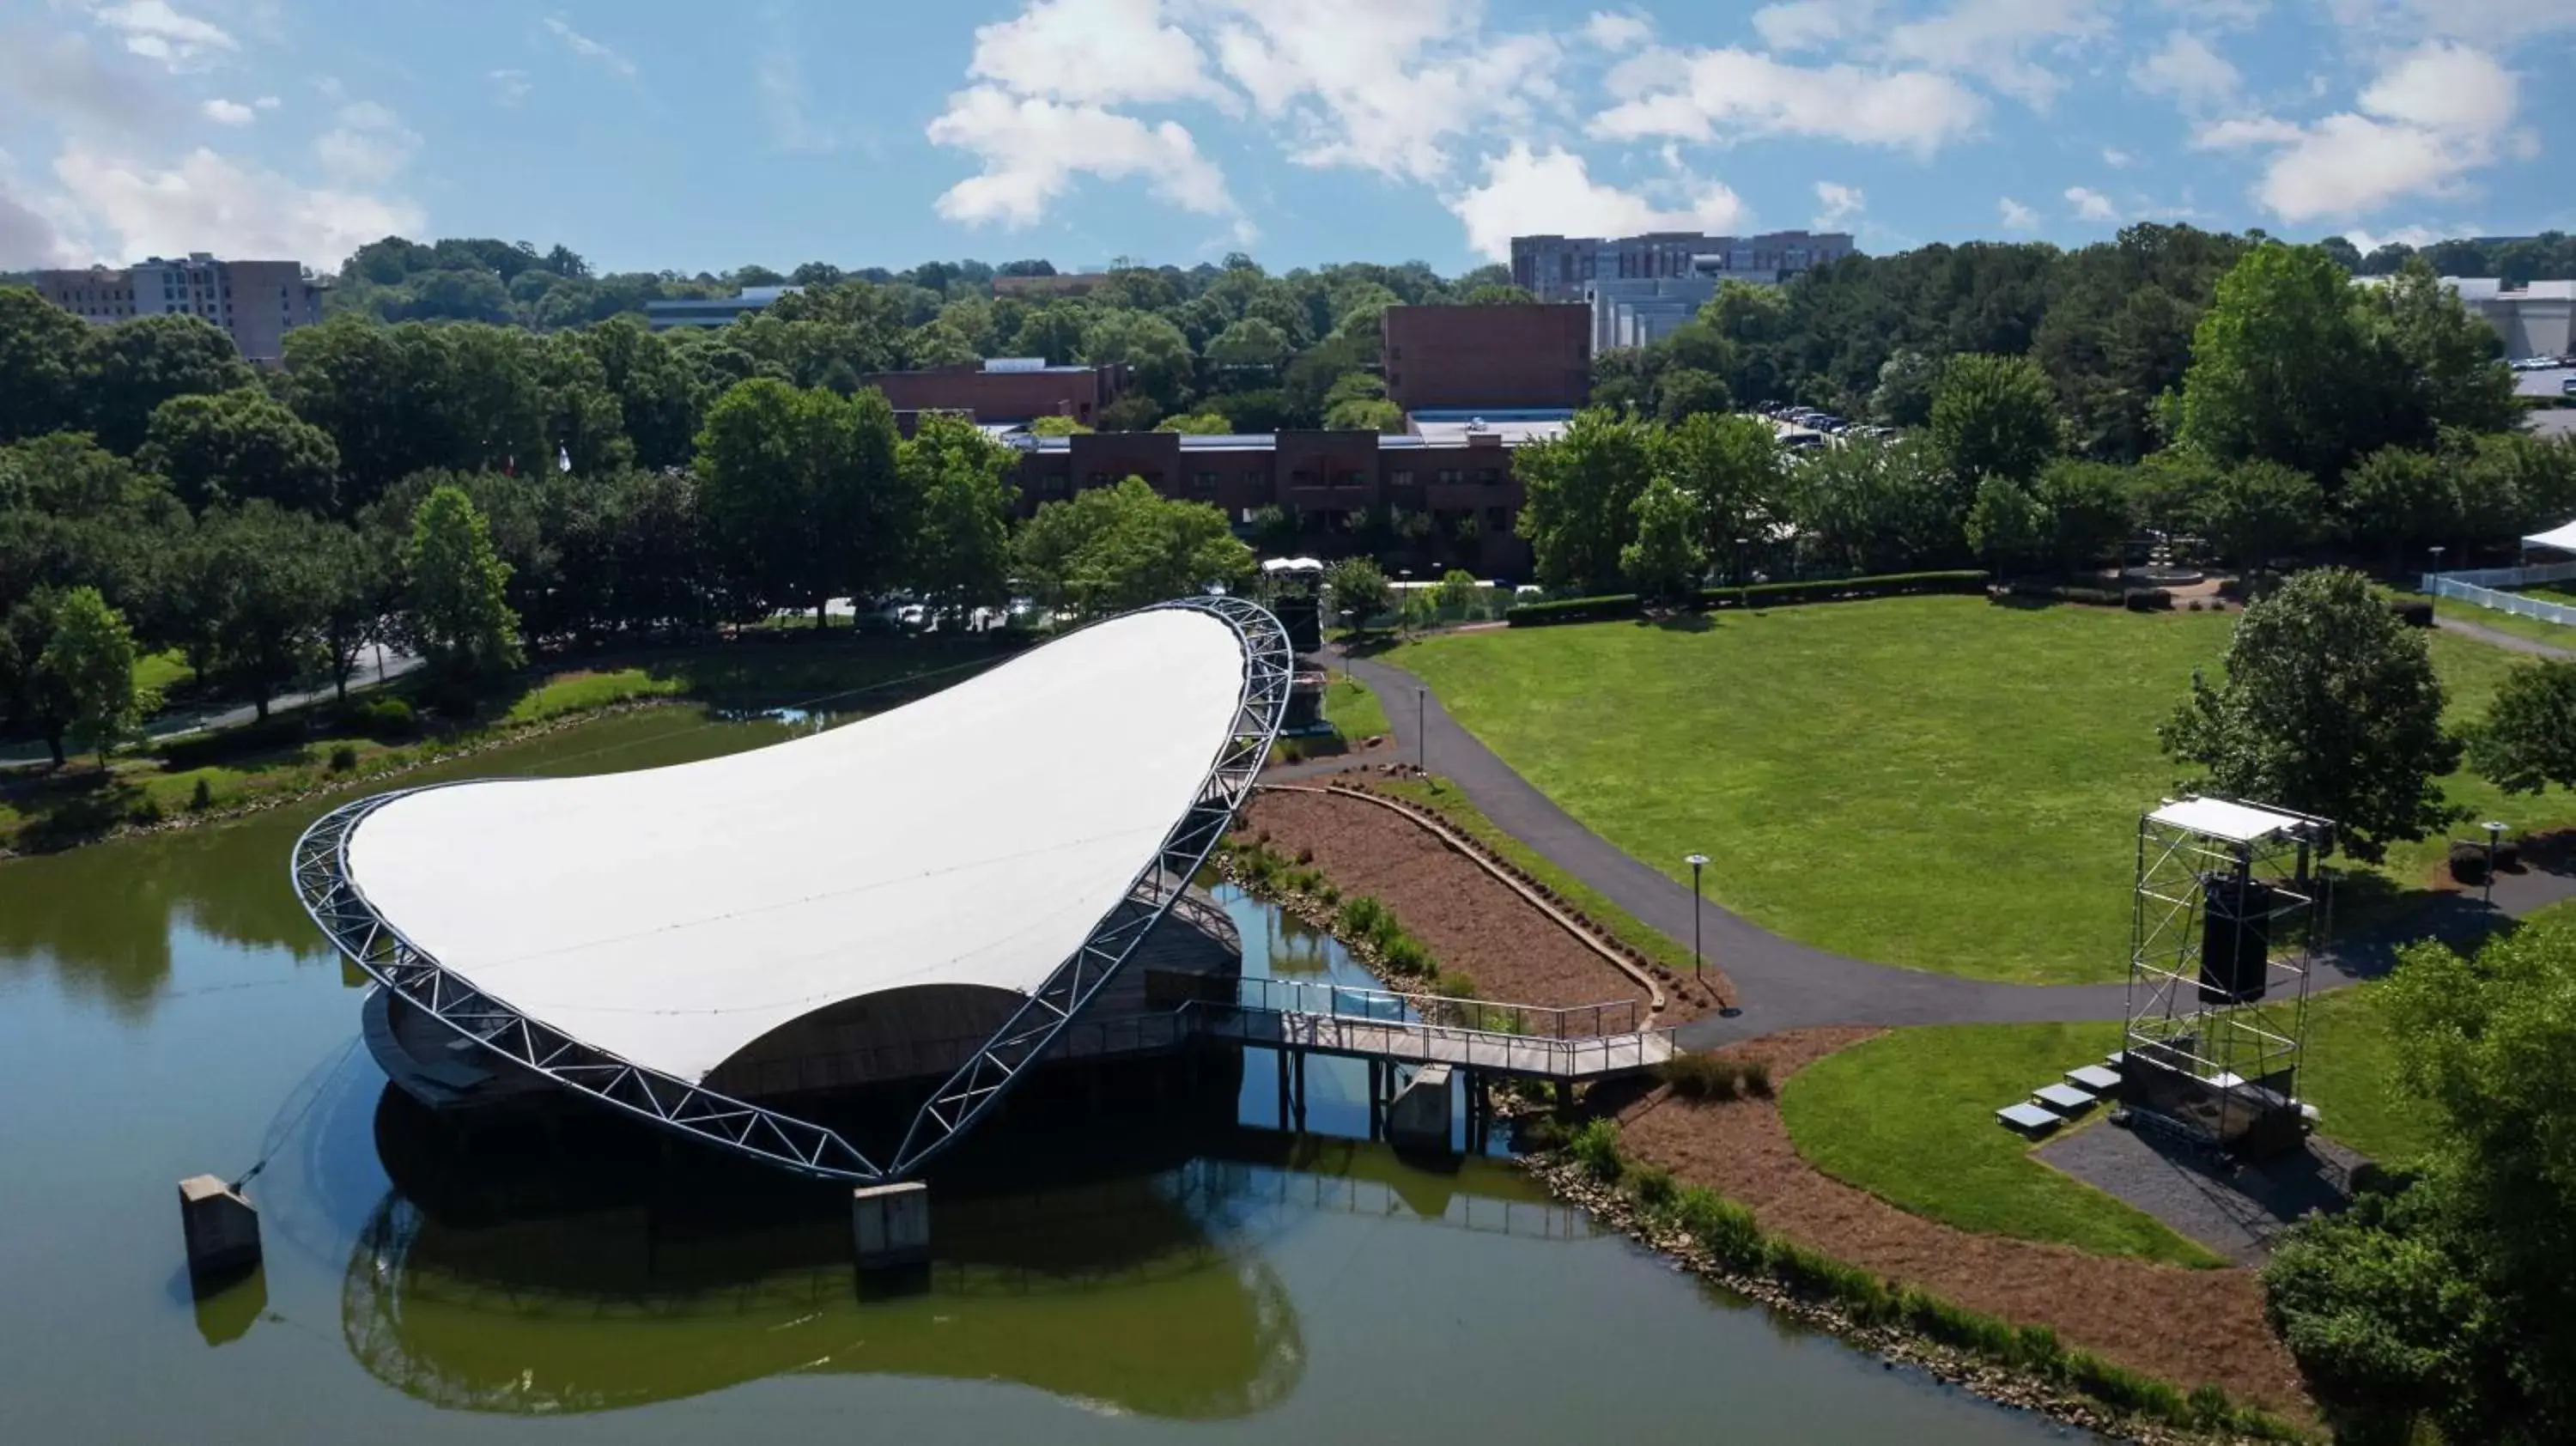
(1697, 863)
(1422, 730)
(2495, 831)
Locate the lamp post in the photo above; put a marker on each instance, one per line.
(1422, 730)
(2495, 831)
(1697, 863)
(2437, 559)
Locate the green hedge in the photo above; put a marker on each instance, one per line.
(2135, 599)
(1614, 606)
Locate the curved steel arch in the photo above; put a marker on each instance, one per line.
(330, 894)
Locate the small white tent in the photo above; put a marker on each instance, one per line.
(2557, 539)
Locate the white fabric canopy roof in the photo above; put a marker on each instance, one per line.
(2561, 538)
(674, 915)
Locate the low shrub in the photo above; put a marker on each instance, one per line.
(1654, 1187)
(1757, 1078)
(201, 798)
(1701, 1076)
(1453, 985)
(1844, 589)
(384, 718)
(1596, 1148)
(344, 759)
(143, 810)
(1725, 1229)
(1609, 608)
(2415, 612)
(2147, 600)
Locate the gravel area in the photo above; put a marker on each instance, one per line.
(1470, 921)
(2173, 1322)
(2234, 1210)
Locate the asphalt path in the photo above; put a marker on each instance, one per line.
(1783, 984)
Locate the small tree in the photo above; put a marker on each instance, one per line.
(2007, 526)
(1664, 558)
(1358, 590)
(1994, 416)
(2255, 511)
(456, 611)
(2330, 707)
(1457, 592)
(89, 663)
(2528, 739)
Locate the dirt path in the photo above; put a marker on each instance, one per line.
(2172, 1322)
(1469, 920)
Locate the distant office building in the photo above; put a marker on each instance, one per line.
(1556, 268)
(712, 310)
(1026, 287)
(1639, 312)
(255, 302)
(2532, 319)
(1005, 389)
(1531, 355)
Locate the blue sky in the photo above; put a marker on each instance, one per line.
(654, 134)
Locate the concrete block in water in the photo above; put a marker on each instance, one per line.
(890, 1225)
(221, 1228)
(1419, 1117)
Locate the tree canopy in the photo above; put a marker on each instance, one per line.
(1114, 548)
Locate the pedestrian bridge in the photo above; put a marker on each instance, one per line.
(1517, 1041)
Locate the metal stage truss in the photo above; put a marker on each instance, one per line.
(329, 892)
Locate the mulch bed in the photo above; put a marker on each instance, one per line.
(2173, 1322)
(1469, 920)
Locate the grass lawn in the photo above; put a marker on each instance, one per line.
(2556, 634)
(1909, 1117)
(1470, 820)
(158, 673)
(1935, 782)
(583, 690)
(1352, 708)
(2349, 1073)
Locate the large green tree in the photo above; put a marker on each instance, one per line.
(2329, 706)
(1869, 506)
(2281, 368)
(130, 368)
(1579, 495)
(238, 446)
(1358, 591)
(960, 552)
(455, 600)
(1994, 416)
(40, 355)
(1663, 560)
(88, 663)
(257, 585)
(1737, 479)
(2527, 740)
(803, 497)
(1114, 548)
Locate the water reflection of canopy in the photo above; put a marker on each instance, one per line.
(627, 934)
(1114, 1294)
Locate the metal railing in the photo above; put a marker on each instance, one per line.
(2480, 588)
(1519, 1039)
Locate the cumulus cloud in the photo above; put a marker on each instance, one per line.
(1103, 52)
(228, 112)
(210, 202)
(1733, 93)
(509, 87)
(1837, 205)
(2001, 42)
(2016, 216)
(2186, 68)
(1527, 191)
(1033, 149)
(1812, 24)
(366, 143)
(1618, 30)
(2091, 205)
(596, 51)
(2432, 115)
(2117, 159)
(156, 31)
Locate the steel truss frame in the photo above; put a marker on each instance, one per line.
(330, 894)
(2236, 1050)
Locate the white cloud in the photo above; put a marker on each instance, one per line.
(155, 31)
(1033, 149)
(228, 112)
(65, 80)
(2433, 115)
(2016, 216)
(1813, 24)
(2091, 205)
(1838, 203)
(1729, 93)
(2117, 159)
(1619, 30)
(367, 143)
(209, 202)
(1526, 191)
(1996, 41)
(589, 49)
(266, 102)
(2416, 236)
(509, 87)
(1105, 52)
(2186, 68)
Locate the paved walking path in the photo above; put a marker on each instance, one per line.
(1784, 984)
(2508, 641)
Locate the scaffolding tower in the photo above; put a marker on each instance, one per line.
(2230, 919)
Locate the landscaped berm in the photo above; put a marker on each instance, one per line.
(1936, 782)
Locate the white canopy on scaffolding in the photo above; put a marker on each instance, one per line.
(2561, 539)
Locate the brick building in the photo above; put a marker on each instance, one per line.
(1537, 355)
(256, 303)
(1456, 475)
(1005, 390)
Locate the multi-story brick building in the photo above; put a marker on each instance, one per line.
(255, 302)
(1536, 355)
(1455, 475)
(1006, 390)
(1555, 268)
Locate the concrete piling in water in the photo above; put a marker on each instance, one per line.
(1419, 1117)
(890, 1226)
(221, 1229)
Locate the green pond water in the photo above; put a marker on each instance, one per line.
(166, 1009)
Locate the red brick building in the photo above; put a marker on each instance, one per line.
(1501, 357)
(1003, 390)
